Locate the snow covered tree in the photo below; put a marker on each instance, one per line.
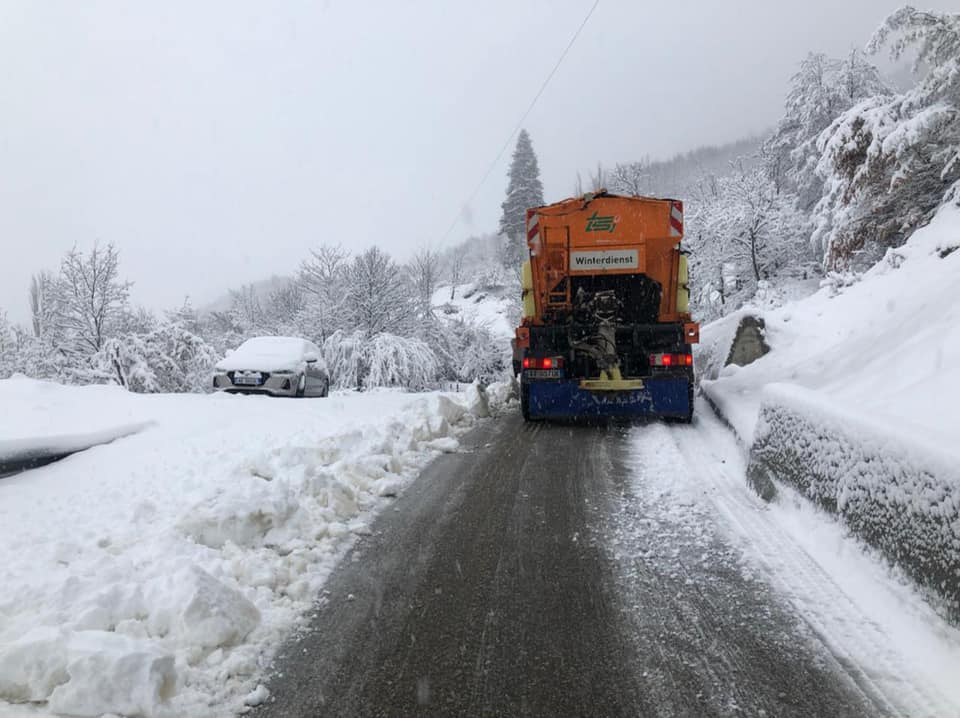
(247, 310)
(456, 273)
(524, 190)
(742, 233)
(92, 304)
(379, 296)
(45, 309)
(323, 280)
(425, 274)
(92, 297)
(631, 178)
(820, 90)
(8, 354)
(888, 162)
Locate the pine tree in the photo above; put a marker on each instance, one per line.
(524, 190)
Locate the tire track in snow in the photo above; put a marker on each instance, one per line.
(705, 464)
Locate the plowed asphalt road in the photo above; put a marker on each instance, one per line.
(495, 586)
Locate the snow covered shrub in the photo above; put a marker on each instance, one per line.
(400, 361)
(358, 361)
(181, 360)
(478, 354)
(343, 352)
(123, 361)
(898, 493)
(8, 347)
(166, 358)
(836, 282)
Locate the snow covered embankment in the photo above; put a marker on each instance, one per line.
(157, 575)
(42, 422)
(858, 402)
(900, 495)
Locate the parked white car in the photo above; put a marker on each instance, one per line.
(279, 366)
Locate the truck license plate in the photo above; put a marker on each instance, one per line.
(542, 373)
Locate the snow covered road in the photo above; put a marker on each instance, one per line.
(861, 620)
(570, 570)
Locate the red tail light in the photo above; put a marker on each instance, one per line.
(542, 362)
(671, 360)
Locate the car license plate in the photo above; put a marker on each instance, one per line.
(542, 373)
(254, 379)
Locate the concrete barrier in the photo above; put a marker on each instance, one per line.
(899, 493)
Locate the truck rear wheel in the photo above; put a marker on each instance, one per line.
(525, 400)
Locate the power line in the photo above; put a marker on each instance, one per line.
(526, 114)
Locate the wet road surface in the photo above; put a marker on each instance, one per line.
(523, 577)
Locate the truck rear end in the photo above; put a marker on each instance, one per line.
(606, 329)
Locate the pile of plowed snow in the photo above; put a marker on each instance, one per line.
(155, 575)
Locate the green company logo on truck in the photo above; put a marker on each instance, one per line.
(595, 223)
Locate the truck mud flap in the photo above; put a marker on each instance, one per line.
(660, 398)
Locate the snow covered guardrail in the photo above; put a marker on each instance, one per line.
(897, 491)
(27, 453)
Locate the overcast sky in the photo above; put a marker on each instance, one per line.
(215, 142)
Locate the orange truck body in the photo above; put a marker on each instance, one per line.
(606, 259)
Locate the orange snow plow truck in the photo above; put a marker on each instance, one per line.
(606, 329)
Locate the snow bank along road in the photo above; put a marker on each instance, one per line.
(155, 576)
(568, 570)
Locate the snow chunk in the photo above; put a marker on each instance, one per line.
(245, 519)
(31, 667)
(257, 696)
(446, 444)
(478, 403)
(109, 673)
(200, 610)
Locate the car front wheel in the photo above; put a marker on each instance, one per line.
(301, 385)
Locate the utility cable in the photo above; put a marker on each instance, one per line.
(516, 129)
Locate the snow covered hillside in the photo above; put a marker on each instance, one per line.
(857, 404)
(156, 575)
(887, 347)
(488, 308)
